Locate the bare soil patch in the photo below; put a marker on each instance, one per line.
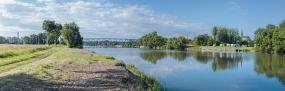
(100, 76)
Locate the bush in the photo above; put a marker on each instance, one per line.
(112, 58)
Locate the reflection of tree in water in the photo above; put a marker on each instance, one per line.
(203, 57)
(154, 56)
(180, 56)
(223, 61)
(272, 65)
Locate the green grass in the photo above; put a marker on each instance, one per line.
(149, 82)
(8, 67)
(120, 63)
(13, 62)
(15, 59)
(15, 53)
(68, 55)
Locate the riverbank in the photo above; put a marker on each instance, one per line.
(221, 49)
(62, 68)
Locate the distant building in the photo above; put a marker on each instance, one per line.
(245, 38)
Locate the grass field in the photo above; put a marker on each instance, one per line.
(10, 50)
(41, 67)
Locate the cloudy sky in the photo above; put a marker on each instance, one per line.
(133, 18)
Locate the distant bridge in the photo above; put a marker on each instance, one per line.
(108, 40)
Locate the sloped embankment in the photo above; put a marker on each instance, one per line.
(77, 69)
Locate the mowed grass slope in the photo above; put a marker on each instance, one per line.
(33, 54)
(42, 68)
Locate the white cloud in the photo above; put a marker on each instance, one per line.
(105, 20)
(45, 0)
(236, 7)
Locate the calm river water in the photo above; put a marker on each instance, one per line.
(206, 71)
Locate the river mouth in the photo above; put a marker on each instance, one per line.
(197, 70)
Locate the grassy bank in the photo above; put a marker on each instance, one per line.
(62, 68)
(200, 47)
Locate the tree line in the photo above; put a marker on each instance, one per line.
(9, 40)
(270, 38)
(32, 39)
(68, 33)
(152, 40)
(221, 35)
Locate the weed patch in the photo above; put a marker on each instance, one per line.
(112, 58)
(148, 82)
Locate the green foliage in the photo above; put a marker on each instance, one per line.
(35, 39)
(271, 38)
(62, 42)
(250, 43)
(71, 35)
(151, 40)
(176, 43)
(214, 33)
(120, 63)
(203, 40)
(129, 44)
(112, 58)
(53, 30)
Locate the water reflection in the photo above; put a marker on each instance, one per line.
(272, 65)
(223, 61)
(154, 56)
(203, 57)
(196, 70)
(220, 61)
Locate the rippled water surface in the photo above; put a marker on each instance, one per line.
(206, 71)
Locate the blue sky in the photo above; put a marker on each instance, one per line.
(134, 18)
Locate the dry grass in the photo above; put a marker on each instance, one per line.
(7, 50)
(19, 48)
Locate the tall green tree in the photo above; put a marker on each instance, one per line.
(53, 30)
(71, 35)
(182, 42)
(271, 38)
(56, 32)
(214, 33)
(49, 27)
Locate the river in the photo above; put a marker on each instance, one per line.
(206, 71)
